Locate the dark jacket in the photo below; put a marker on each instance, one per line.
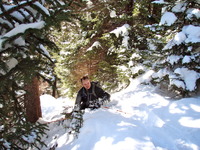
(91, 98)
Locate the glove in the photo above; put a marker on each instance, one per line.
(104, 100)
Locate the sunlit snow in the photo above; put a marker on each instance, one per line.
(137, 118)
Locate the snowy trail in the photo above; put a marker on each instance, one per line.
(113, 132)
(146, 125)
(137, 119)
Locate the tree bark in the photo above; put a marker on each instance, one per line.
(32, 101)
(129, 8)
(54, 88)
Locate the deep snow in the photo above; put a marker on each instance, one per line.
(138, 118)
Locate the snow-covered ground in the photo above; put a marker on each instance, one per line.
(136, 119)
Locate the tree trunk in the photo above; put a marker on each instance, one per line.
(129, 7)
(54, 88)
(129, 10)
(32, 101)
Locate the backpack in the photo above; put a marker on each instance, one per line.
(96, 84)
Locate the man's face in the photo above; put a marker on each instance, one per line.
(86, 84)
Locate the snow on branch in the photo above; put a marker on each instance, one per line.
(16, 8)
(19, 30)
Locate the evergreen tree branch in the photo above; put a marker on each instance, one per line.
(16, 8)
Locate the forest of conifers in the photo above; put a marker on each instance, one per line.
(46, 46)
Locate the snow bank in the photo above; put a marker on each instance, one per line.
(52, 108)
(136, 119)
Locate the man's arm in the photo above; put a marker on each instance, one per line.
(102, 94)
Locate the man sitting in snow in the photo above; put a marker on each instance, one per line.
(90, 95)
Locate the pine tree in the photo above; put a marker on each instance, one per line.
(177, 66)
(76, 122)
(90, 45)
(25, 37)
